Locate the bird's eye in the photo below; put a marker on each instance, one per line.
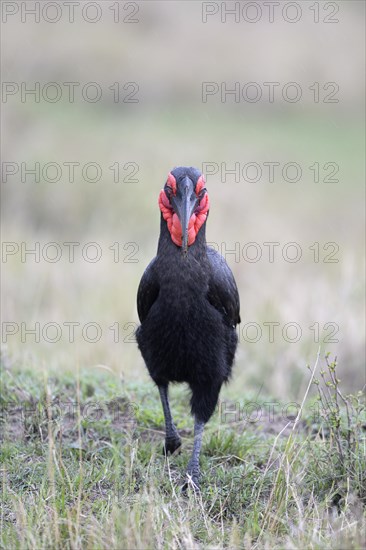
(202, 193)
(171, 184)
(200, 186)
(168, 191)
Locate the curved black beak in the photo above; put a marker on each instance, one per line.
(184, 204)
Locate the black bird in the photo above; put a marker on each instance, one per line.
(188, 305)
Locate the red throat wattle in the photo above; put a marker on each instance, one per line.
(197, 219)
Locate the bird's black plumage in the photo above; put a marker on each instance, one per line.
(188, 305)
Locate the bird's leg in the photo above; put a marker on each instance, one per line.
(193, 468)
(172, 439)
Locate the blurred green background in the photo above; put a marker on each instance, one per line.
(169, 52)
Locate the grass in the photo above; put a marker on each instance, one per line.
(82, 467)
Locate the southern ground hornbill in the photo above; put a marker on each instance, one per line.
(188, 305)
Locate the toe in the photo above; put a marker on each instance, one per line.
(171, 445)
(192, 482)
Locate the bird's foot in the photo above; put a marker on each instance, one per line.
(192, 482)
(171, 445)
(193, 479)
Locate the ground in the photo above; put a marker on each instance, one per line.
(83, 467)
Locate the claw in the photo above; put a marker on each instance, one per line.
(171, 446)
(192, 482)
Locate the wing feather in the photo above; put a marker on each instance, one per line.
(223, 293)
(148, 291)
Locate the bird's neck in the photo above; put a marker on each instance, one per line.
(166, 246)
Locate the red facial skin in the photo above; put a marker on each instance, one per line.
(197, 219)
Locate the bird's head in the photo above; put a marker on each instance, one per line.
(184, 205)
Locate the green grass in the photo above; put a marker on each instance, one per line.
(82, 467)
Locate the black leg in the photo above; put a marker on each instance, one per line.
(193, 468)
(172, 439)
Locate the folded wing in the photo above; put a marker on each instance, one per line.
(223, 292)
